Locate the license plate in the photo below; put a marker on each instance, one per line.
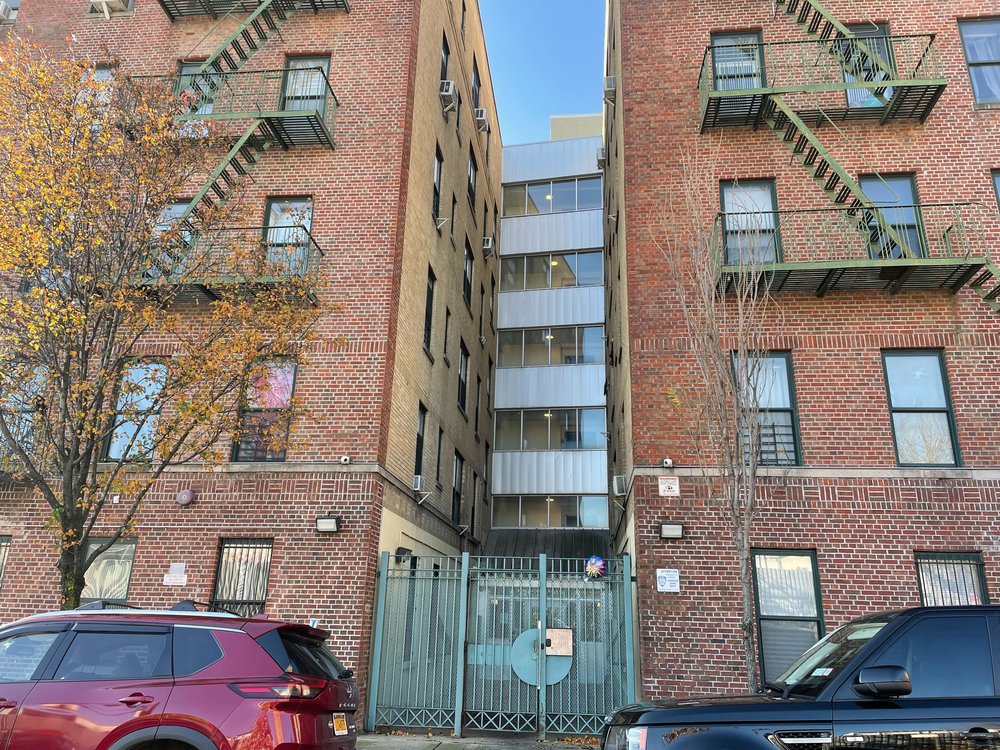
(339, 725)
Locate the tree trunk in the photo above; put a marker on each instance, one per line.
(747, 616)
(71, 576)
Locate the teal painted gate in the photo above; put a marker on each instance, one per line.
(458, 645)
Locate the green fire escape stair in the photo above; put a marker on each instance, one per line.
(987, 285)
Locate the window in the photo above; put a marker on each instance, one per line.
(438, 170)
(437, 466)
(195, 648)
(447, 329)
(922, 422)
(445, 54)
(286, 235)
(115, 656)
(456, 488)
(996, 186)
(264, 414)
(553, 196)
(463, 375)
(482, 309)
(479, 390)
(418, 460)
(867, 59)
(137, 407)
(473, 174)
(463, 18)
(197, 92)
(429, 311)
(738, 61)
(21, 655)
(950, 579)
(946, 657)
(558, 270)
(750, 222)
(551, 429)
(241, 576)
(5, 541)
(896, 195)
(476, 83)
(981, 39)
(454, 207)
(489, 380)
(775, 401)
(108, 577)
(789, 616)
(467, 275)
(493, 296)
(458, 113)
(574, 345)
(550, 511)
(305, 84)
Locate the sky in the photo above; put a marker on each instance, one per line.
(546, 58)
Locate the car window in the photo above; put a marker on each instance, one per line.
(21, 655)
(296, 654)
(194, 649)
(108, 656)
(946, 657)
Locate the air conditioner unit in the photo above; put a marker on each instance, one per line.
(620, 486)
(449, 96)
(482, 340)
(7, 14)
(418, 483)
(487, 247)
(482, 120)
(610, 89)
(602, 158)
(107, 7)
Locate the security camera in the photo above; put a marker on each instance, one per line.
(345, 460)
(668, 463)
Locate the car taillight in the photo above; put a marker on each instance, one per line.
(300, 687)
(626, 738)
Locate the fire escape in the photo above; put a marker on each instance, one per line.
(801, 88)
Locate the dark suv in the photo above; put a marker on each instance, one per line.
(171, 680)
(920, 679)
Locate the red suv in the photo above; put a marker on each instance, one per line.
(171, 680)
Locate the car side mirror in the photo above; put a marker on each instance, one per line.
(883, 682)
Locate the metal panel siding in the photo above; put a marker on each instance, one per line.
(551, 307)
(542, 161)
(562, 385)
(537, 472)
(544, 233)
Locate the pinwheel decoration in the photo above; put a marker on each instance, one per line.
(595, 567)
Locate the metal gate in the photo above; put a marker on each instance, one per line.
(500, 644)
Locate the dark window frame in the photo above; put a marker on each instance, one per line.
(457, 485)
(473, 178)
(445, 56)
(761, 71)
(98, 541)
(418, 459)
(245, 410)
(436, 191)
(772, 186)
(792, 409)
(969, 65)
(236, 544)
(429, 309)
(918, 216)
(147, 417)
(952, 558)
(468, 272)
(463, 376)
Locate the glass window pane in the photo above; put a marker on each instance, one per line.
(594, 511)
(923, 438)
(782, 642)
(915, 381)
(736, 61)
(986, 83)
(777, 438)
(564, 195)
(590, 269)
(271, 387)
(511, 274)
(785, 585)
(944, 657)
(950, 582)
(562, 345)
(509, 345)
(564, 513)
(536, 431)
(589, 193)
(540, 198)
(897, 192)
(514, 200)
(536, 272)
(306, 84)
(981, 39)
(565, 431)
(21, 655)
(506, 511)
(590, 347)
(536, 347)
(534, 512)
(114, 656)
(508, 430)
(592, 428)
(773, 391)
(241, 578)
(563, 270)
(108, 576)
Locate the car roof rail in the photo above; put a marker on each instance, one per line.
(190, 605)
(107, 604)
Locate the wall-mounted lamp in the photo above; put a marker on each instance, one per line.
(403, 554)
(327, 524)
(671, 531)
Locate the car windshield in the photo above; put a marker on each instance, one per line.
(818, 666)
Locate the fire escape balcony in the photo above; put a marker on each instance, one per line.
(193, 267)
(880, 78)
(215, 9)
(889, 248)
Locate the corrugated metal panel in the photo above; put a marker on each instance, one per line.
(540, 161)
(561, 543)
(551, 307)
(562, 385)
(573, 230)
(536, 472)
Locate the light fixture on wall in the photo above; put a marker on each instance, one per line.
(327, 524)
(403, 554)
(671, 531)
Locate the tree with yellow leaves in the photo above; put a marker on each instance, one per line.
(133, 331)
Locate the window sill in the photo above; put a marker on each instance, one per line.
(468, 306)
(429, 355)
(478, 439)
(461, 411)
(986, 106)
(446, 360)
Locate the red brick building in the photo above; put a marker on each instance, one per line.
(866, 139)
(401, 190)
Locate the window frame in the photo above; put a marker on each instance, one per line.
(524, 186)
(457, 487)
(241, 543)
(463, 376)
(969, 64)
(473, 178)
(436, 190)
(244, 410)
(995, 174)
(972, 558)
(882, 46)
(147, 418)
(418, 459)
(576, 329)
(918, 217)
(468, 273)
(949, 408)
(772, 186)
(761, 65)
(305, 223)
(524, 270)
(792, 409)
(445, 56)
(322, 65)
(551, 412)
(97, 541)
(429, 310)
(6, 541)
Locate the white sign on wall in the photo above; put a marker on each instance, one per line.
(670, 486)
(668, 581)
(176, 576)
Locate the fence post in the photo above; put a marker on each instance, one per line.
(629, 645)
(463, 608)
(542, 629)
(383, 579)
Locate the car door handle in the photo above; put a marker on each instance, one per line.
(136, 698)
(4, 703)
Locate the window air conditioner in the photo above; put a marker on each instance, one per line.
(7, 14)
(610, 89)
(418, 483)
(107, 7)
(602, 158)
(449, 96)
(620, 486)
(482, 120)
(487, 247)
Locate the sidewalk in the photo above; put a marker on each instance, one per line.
(423, 742)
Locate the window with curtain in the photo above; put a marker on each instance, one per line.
(305, 85)
(750, 222)
(948, 579)
(241, 576)
(108, 577)
(867, 57)
(922, 420)
(981, 40)
(737, 61)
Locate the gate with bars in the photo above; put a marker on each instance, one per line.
(500, 644)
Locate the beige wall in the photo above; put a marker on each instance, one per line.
(564, 127)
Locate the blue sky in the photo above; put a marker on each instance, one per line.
(546, 58)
